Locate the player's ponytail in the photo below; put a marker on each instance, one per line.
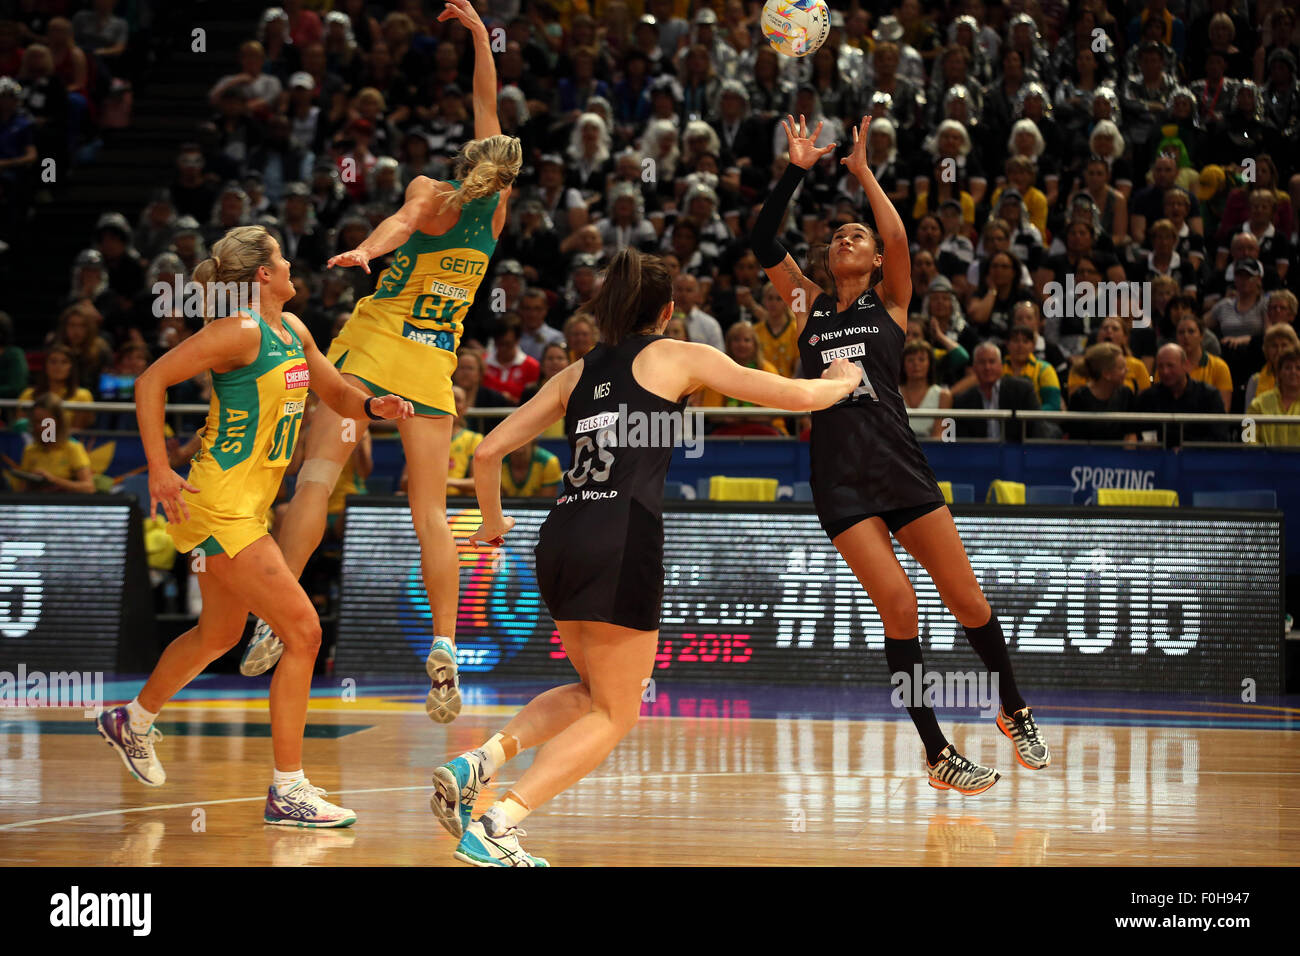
(235, 259)
(485, 167)
(635, 290)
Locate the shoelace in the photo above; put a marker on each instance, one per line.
(1029, 727)
(153, 734)
(961, 764)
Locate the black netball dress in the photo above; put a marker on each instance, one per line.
(865, 458)
(600, 552)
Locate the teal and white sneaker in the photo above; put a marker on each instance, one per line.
(479, 849)
(443, 703)
(303, 805)
(263, 650)
(455, 788)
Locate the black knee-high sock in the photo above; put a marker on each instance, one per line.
(904, 656)
(991, 646)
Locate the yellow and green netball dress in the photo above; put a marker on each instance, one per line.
(403, 338)
(247, 443)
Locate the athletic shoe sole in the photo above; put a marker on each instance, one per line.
(443, 702)
(303, 825)
(261, 657)
(445, 802)
(1019, 760)
(126, 761)
(475, 861)
(940, 785)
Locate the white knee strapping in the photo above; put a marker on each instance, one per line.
(320, 469)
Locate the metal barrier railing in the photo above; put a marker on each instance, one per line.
(1014, 417)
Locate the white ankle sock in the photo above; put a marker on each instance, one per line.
(503, 815)
(141, 719)
(491, 756)
(284, 781)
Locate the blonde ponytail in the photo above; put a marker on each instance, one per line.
(485, 167)
(235, 259)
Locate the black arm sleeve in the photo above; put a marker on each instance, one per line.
(762, 239)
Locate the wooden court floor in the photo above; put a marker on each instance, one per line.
(680, 791)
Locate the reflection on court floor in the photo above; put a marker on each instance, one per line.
(712, 775)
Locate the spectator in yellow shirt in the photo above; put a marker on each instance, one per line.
(530, 472)
(744, 350)
(55, 458)
(1283, 400)
(1277, 340)
(60, 378)
(1020, 171)
(1206, 368)
(776, 331)
(1115, 331)
(1021, 361)
(460, 470)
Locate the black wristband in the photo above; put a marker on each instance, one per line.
(762, 239)
(371, 415)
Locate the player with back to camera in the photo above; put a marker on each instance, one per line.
(600, 551)
(402, 340)
(870, 478)
(262, 364)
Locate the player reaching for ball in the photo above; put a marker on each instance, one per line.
(870, 478)
(402, 340)
(600, 551)
(262, 363)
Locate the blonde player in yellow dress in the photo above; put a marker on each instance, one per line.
(262, 362)
(403, 340)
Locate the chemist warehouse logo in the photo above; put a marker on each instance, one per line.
(297, 377)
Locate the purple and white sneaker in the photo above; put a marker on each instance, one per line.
(304, 806)
(136, 750)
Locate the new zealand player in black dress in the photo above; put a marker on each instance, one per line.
(870, 478)
(600, 551)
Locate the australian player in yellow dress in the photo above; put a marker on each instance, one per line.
(262, 362)
(402, 340)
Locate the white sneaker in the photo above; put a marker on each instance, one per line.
(136, 750)
(479, 849)
(303, 805)
(443, 703)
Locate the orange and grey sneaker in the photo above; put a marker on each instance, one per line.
(1021, 727)
(955, 772)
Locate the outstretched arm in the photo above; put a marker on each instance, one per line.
(796, 289)
(897, 267)
(397, 228)
(486, 122)
(335, 391)
(542, 410)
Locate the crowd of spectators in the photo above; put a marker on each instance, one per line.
(65, 75)
(1035, 150)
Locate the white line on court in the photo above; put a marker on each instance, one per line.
(617, 778)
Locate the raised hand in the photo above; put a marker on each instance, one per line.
(463, 11)
(355, 257)
(856, 161)
(803, 148)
